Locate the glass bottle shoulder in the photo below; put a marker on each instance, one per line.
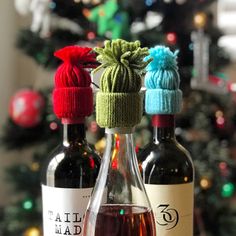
(71, 165)
(166, 162)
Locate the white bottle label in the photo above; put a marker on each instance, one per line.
(173, 208)
(63, 210)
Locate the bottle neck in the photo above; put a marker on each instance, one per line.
(73, 133)
(119, 181)
(163, 127)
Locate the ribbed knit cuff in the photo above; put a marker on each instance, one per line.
(118, 109)
(73, 102)
(163, 101)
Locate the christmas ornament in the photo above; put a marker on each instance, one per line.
(100, 145)
(26, 108)
(200, 60)
(22, 6)
(40, 17)
(110, 17)
(201, 79)
(32, 231)
(151, 21)
(220, 120)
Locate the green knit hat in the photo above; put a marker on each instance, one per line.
(119, 102)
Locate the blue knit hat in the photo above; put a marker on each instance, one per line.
(163, 95)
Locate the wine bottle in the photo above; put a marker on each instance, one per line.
(71, 170)
(119, 205)
(166, 166)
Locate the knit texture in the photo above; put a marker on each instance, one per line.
(119, 102)
(163, 95)
(72, 95)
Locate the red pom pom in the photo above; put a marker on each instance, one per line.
(76, 55)
(26, 108)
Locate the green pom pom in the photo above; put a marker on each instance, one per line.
(124, 65)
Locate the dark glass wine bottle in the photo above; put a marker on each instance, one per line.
(67, 182)
(70, 172)
(168, 174)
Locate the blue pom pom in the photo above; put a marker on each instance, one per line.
(163, 59)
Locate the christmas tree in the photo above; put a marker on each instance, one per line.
(205, 126)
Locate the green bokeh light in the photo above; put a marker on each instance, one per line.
(228, 190)
(28, 204)
(122, 212)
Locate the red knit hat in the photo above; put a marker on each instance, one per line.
(72, 95)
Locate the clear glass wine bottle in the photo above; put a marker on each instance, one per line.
(119, 205)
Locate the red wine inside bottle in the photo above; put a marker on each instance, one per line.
(67, 182)
(123, 220)
(168, 174)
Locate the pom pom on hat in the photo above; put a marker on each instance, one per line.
(72, 95)
(163, 95)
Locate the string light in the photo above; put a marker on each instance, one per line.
(205, 183)
(91, 35)
(32, 231)
(35, 166)
(27, 204)
(171, 38)
(52, 5)
(220, 120)
(200, 20)
(227, 190)
(53, 125)
(149, 2)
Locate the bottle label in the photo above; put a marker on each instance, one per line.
(63, 210)
(173, 208)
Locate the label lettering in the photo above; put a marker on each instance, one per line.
(67, 217)
(57, 229)
(58, 218)
(63, 210)
(77, 229)
(67, 231)
(167, 216)
(76, 217)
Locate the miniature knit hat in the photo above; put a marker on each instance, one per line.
(163, 95)
(119, 102)
(72, 95)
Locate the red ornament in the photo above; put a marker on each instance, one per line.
(26, 108)
(171, 38)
